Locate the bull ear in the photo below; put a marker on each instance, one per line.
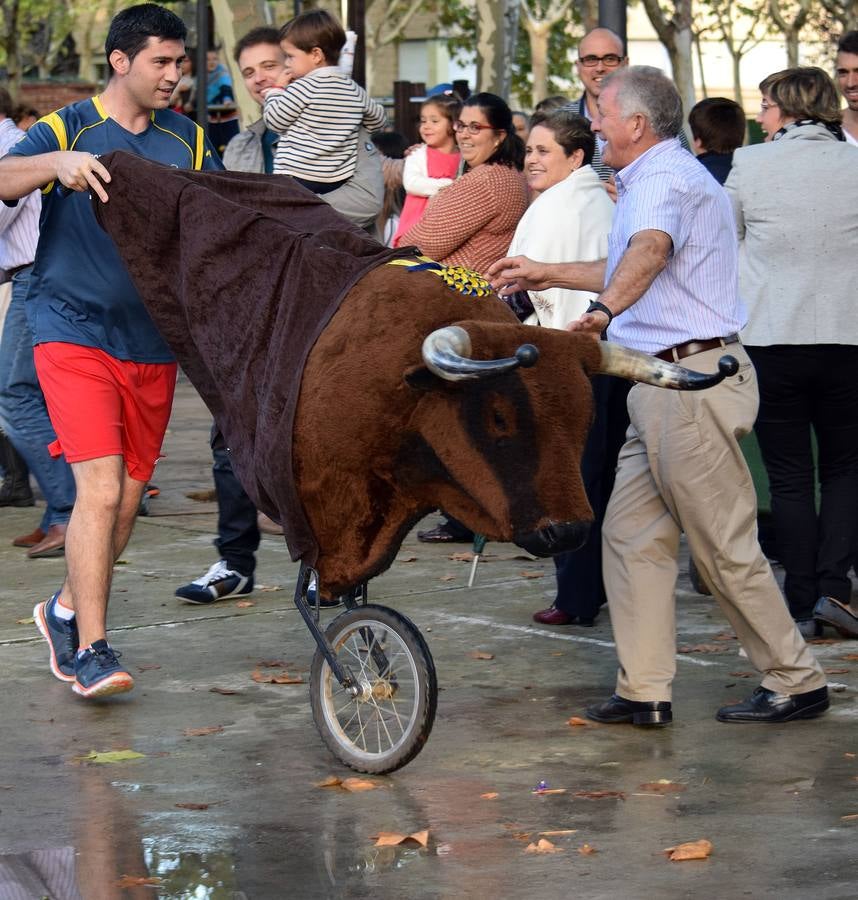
(419, 378)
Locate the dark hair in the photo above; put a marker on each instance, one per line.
(718, 123)
(7, 107)
(449, 104)
(391, 143)
(131, 29)
(22, 111)
(316, 28)
(571, 131)
(262, 35)
(511, 150)
(548, 105)
(804, 92)
(848, 43)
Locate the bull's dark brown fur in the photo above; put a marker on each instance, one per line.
(379, 441)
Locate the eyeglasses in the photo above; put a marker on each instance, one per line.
(471, 127)
(766, 105)
(611, 60)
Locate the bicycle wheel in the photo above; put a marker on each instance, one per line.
(386, 725)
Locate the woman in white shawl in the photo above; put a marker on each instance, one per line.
(569, 221)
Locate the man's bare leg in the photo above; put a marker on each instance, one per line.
(99, 529)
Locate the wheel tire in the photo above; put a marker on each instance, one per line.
(422, 713)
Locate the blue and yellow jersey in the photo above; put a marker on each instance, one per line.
(80, 291)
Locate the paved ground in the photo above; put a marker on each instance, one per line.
(779, 804)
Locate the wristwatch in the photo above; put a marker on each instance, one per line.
(598, 306)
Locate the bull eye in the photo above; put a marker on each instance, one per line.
(500, 420)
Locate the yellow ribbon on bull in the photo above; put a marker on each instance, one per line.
(459, 278)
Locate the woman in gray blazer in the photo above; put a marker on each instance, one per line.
(796, 203)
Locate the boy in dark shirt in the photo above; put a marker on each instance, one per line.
(717, 128)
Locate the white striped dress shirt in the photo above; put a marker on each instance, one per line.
(319, 116)
(19, 225)
(696, 295)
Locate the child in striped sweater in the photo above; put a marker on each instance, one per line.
(318, 109)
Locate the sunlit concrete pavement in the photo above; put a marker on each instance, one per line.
(779, 804)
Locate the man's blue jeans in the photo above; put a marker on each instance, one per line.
(23, 414)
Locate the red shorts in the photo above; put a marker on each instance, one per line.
(103, 406)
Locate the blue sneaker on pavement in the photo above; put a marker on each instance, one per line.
(61, 636)
(98, 673)
(218, 583)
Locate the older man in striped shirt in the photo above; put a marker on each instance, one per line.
(23, 414)
(670, 288)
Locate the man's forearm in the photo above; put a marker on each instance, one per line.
(20, 175)
(577, 276)
(644, 258)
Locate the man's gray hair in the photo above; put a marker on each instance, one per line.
(648, 91)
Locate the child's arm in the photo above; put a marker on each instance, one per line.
(415, 179)
(282, 106)
(374, 117)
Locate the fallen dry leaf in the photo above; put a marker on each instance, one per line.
(109, 756)
(491, 795)
(148, 667)
(662, 787)
(601, 795)
(357, 785)
(542, 846)
(447, 578)
(849, 657)
(849, 818)
(549, 791)
(520, 835)
(559, 831)
(577, 720)
(245, 604)
(268, 588)
(276, 678)
(587, 850)
(202, 732)
(393, 839)
(227, 692)
(702, 648)
(836, 671)
(724, 636)
(849, 755)
(272, 664)
(127, 881)
(530, 574)
(481, 654)
(689, 850)
(405, 559)
(330, 781)
(744, 674)
(29, 621)
(461, 556)
(825, 641)
(196, 806)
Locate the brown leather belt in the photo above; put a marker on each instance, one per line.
(689, 348)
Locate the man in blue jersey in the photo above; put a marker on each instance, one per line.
(106, 372)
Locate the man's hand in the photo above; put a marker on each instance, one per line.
(517, 273)
(81, 172)
(611, 187)
(593, 323)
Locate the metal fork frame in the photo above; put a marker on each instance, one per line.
(310, 615)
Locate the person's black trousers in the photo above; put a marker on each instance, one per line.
(808, 387)
(238, 534)
(580, 591)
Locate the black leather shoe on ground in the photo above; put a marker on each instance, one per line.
(838, 615)
(769, 706)
(618, 711)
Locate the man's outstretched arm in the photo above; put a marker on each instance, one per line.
(19, 175)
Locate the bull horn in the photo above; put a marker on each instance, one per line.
(637, 366)
(447, 354)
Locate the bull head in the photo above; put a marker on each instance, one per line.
(447, 353)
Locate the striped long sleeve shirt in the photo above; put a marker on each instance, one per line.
(19, 225)
(318, 117)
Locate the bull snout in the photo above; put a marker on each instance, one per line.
(558, 537)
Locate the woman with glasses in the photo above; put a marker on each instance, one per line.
(795, 199)
(471, 222)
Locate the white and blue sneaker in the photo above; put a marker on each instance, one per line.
(61, 635)
(218, 583)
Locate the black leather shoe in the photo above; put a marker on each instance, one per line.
(769, 706)
(618, 710)
(838, 615)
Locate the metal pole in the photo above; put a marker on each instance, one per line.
(200, 69)
(612, 14)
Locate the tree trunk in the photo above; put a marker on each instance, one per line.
(497, 27)
(737, 78)
(698, 47)
(589, 12)
(233, 18)
(791, 38)
(676, 35)
(537, 35)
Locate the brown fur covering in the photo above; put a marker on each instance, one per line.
(380, 441)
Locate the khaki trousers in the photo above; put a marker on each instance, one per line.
(681, 469)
